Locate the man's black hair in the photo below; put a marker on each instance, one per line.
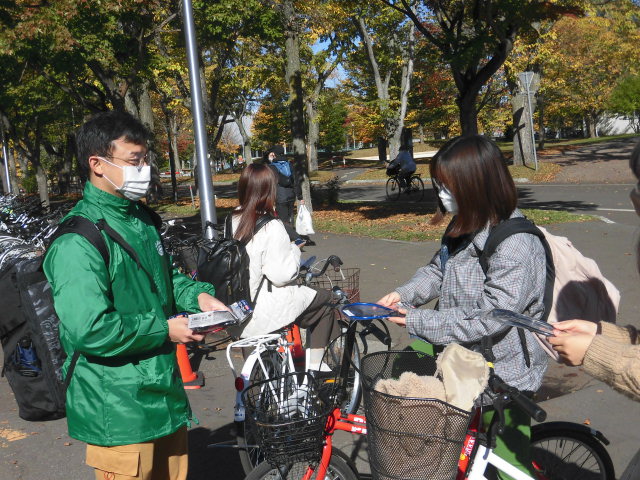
(96, 135)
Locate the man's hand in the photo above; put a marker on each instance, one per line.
(179, 332)
(207, 303)
(572, 347)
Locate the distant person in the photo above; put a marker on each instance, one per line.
(606, 351)
(240, 162)
(406, 165)
(288, 188)
(125, 397)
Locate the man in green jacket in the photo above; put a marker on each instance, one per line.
(125, 399)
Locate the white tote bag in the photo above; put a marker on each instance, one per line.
(304, 225)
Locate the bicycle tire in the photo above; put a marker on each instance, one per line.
(393, 189)
(562, 453)
(250, 455)
(416, 189)
(338, 470)
(333, 357)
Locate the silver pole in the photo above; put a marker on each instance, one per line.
(205, 186)
(5, 156)
(533, 136)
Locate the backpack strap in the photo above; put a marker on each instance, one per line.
(497, 235)
(504, 230)
(85, 227)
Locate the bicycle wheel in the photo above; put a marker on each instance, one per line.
(333, 358)
(338, 470)
(393, 189)
(416, 189)
(250, 455)
(565, 454)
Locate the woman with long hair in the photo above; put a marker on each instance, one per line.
(474, 186)
(274, 262)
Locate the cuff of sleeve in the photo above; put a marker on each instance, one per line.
(202, 287)
(614, 332)
(601, 357)
(413, 321)
(405, 294)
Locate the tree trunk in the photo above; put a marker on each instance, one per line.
(523, 139)
(593, 125)
(172, 153)
(468, 114)
(246, 140)
(293, 78)
(541, 127)
(313, 133)
(64, 174)
(15, 187)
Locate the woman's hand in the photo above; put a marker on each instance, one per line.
(576, 326)
(572, 347)
(389, 300)
(402, 321)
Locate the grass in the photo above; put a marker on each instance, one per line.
(545, 173)
(408, 222)
(390, 220)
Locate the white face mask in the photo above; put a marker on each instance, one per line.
(449, 203)
(135, 180)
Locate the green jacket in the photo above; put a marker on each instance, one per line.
(126, 387)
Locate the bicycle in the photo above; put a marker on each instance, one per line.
(459, 447)
(282, 353)
(296, 437)
(412, 187)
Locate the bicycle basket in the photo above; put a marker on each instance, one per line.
(409, 438)
(348, 279)
(393, 169)
(287, 417)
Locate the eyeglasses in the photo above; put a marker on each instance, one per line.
(137, 162)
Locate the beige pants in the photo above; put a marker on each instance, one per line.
(161, 459)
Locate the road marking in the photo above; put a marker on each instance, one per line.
(605, 219)
(580, 185)
(615, 209)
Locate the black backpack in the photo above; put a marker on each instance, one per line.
(224, 263)
(29, 326)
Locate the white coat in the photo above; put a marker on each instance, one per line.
(273, 255)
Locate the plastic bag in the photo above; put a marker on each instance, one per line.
(304, 225)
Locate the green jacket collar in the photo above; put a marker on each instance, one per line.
(105, 200)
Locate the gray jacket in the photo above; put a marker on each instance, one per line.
(515, 281)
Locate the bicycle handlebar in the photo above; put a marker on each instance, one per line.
(498, 386)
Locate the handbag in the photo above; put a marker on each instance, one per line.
(304, 224)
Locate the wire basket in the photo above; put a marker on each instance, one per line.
(409, 438)
(287, 418)
(347, 279)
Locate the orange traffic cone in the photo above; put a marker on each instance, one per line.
(192, 380)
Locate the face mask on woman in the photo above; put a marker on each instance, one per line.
(447, 199)
(135, 180)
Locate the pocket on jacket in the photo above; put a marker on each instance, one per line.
(114, 460)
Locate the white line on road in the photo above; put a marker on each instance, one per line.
(605, 219)
(615, 209)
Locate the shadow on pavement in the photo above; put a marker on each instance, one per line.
(525, 200)
(207, 463)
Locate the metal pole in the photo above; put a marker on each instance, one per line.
(205, 186)
(5, 156)
(533, 136)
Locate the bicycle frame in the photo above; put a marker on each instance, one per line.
(475, 457)
(288, 344)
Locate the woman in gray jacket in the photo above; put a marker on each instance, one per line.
(474, 185)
